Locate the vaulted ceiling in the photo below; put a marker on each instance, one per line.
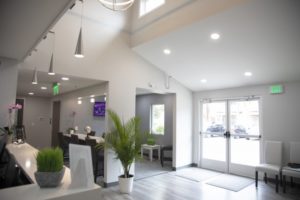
(259, 36)
(24, 23)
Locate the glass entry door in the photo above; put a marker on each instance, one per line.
(230, 133)
(214, 145)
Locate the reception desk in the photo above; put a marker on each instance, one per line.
(25, 158)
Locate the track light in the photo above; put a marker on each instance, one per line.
(51, 71)
(34, 78)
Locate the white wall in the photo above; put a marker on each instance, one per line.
(280, 113)
(84, 112)
(108, 57)
(8, 87)
(37, 121)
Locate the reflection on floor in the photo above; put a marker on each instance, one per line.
(145, 168)
(169, 186)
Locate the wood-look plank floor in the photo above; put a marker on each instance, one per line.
(170, 187)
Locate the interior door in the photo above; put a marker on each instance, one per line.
(55, 122)
(214, 146)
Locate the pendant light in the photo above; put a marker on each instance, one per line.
(79, 46)
(34, 78)
(51, 70)
(117, 5)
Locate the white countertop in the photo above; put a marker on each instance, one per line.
(25, 158)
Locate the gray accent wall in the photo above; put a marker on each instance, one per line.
(143, 109)
(8, 87)
(72, 114)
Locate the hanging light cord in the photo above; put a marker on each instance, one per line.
(81, 13)
(53, 43)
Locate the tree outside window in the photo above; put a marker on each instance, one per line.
(158, 119)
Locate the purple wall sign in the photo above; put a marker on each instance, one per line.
(99, 109)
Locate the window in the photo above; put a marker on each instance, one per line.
(147, 6)
(158, 119)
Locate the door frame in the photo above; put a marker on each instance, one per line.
(238, 169)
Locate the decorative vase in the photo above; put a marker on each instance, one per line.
(126, 184)
(49, 179)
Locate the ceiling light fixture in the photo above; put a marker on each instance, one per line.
(215, 36)
(79, 46)
(65, 78)
(79, 102)
(92, 100)
(34, 78)
(117, 5)
(43, 88)
(92, 96)
(203, 81)
(167, 51)
(79, 98)
(51, 70)
(30, 93)
(248, 74)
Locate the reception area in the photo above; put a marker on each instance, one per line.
(149, 99)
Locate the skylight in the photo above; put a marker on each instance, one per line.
(147, 6)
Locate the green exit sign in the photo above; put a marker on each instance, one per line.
(276, 89)
(55, 89)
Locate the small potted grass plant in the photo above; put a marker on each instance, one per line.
(50, 167)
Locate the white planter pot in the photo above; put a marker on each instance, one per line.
(126, 184)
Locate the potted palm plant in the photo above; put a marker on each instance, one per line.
(50, 169)
(125, 140)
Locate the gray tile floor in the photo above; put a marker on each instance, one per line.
(168, 186)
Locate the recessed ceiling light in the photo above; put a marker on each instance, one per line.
(92, 100)
(167, 51)
(79, 102)
(215, 36)
(248, 74)
(44, 88)
(92, 96)
(203, 81)
(31, 93)
(79, 98)
(65, 78)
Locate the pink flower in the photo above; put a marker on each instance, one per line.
(14, 107)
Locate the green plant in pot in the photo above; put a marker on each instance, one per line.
(125, 140)
(50, 169)
(150, 139)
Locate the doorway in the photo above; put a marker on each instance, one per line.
(156, 113)
(230, 135)
(55, 123)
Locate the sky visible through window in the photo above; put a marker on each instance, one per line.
(147, 6)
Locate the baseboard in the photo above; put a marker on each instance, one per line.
(106, 185)
(185, 166)
(194, 165)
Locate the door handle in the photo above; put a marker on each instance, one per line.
(227, 134)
